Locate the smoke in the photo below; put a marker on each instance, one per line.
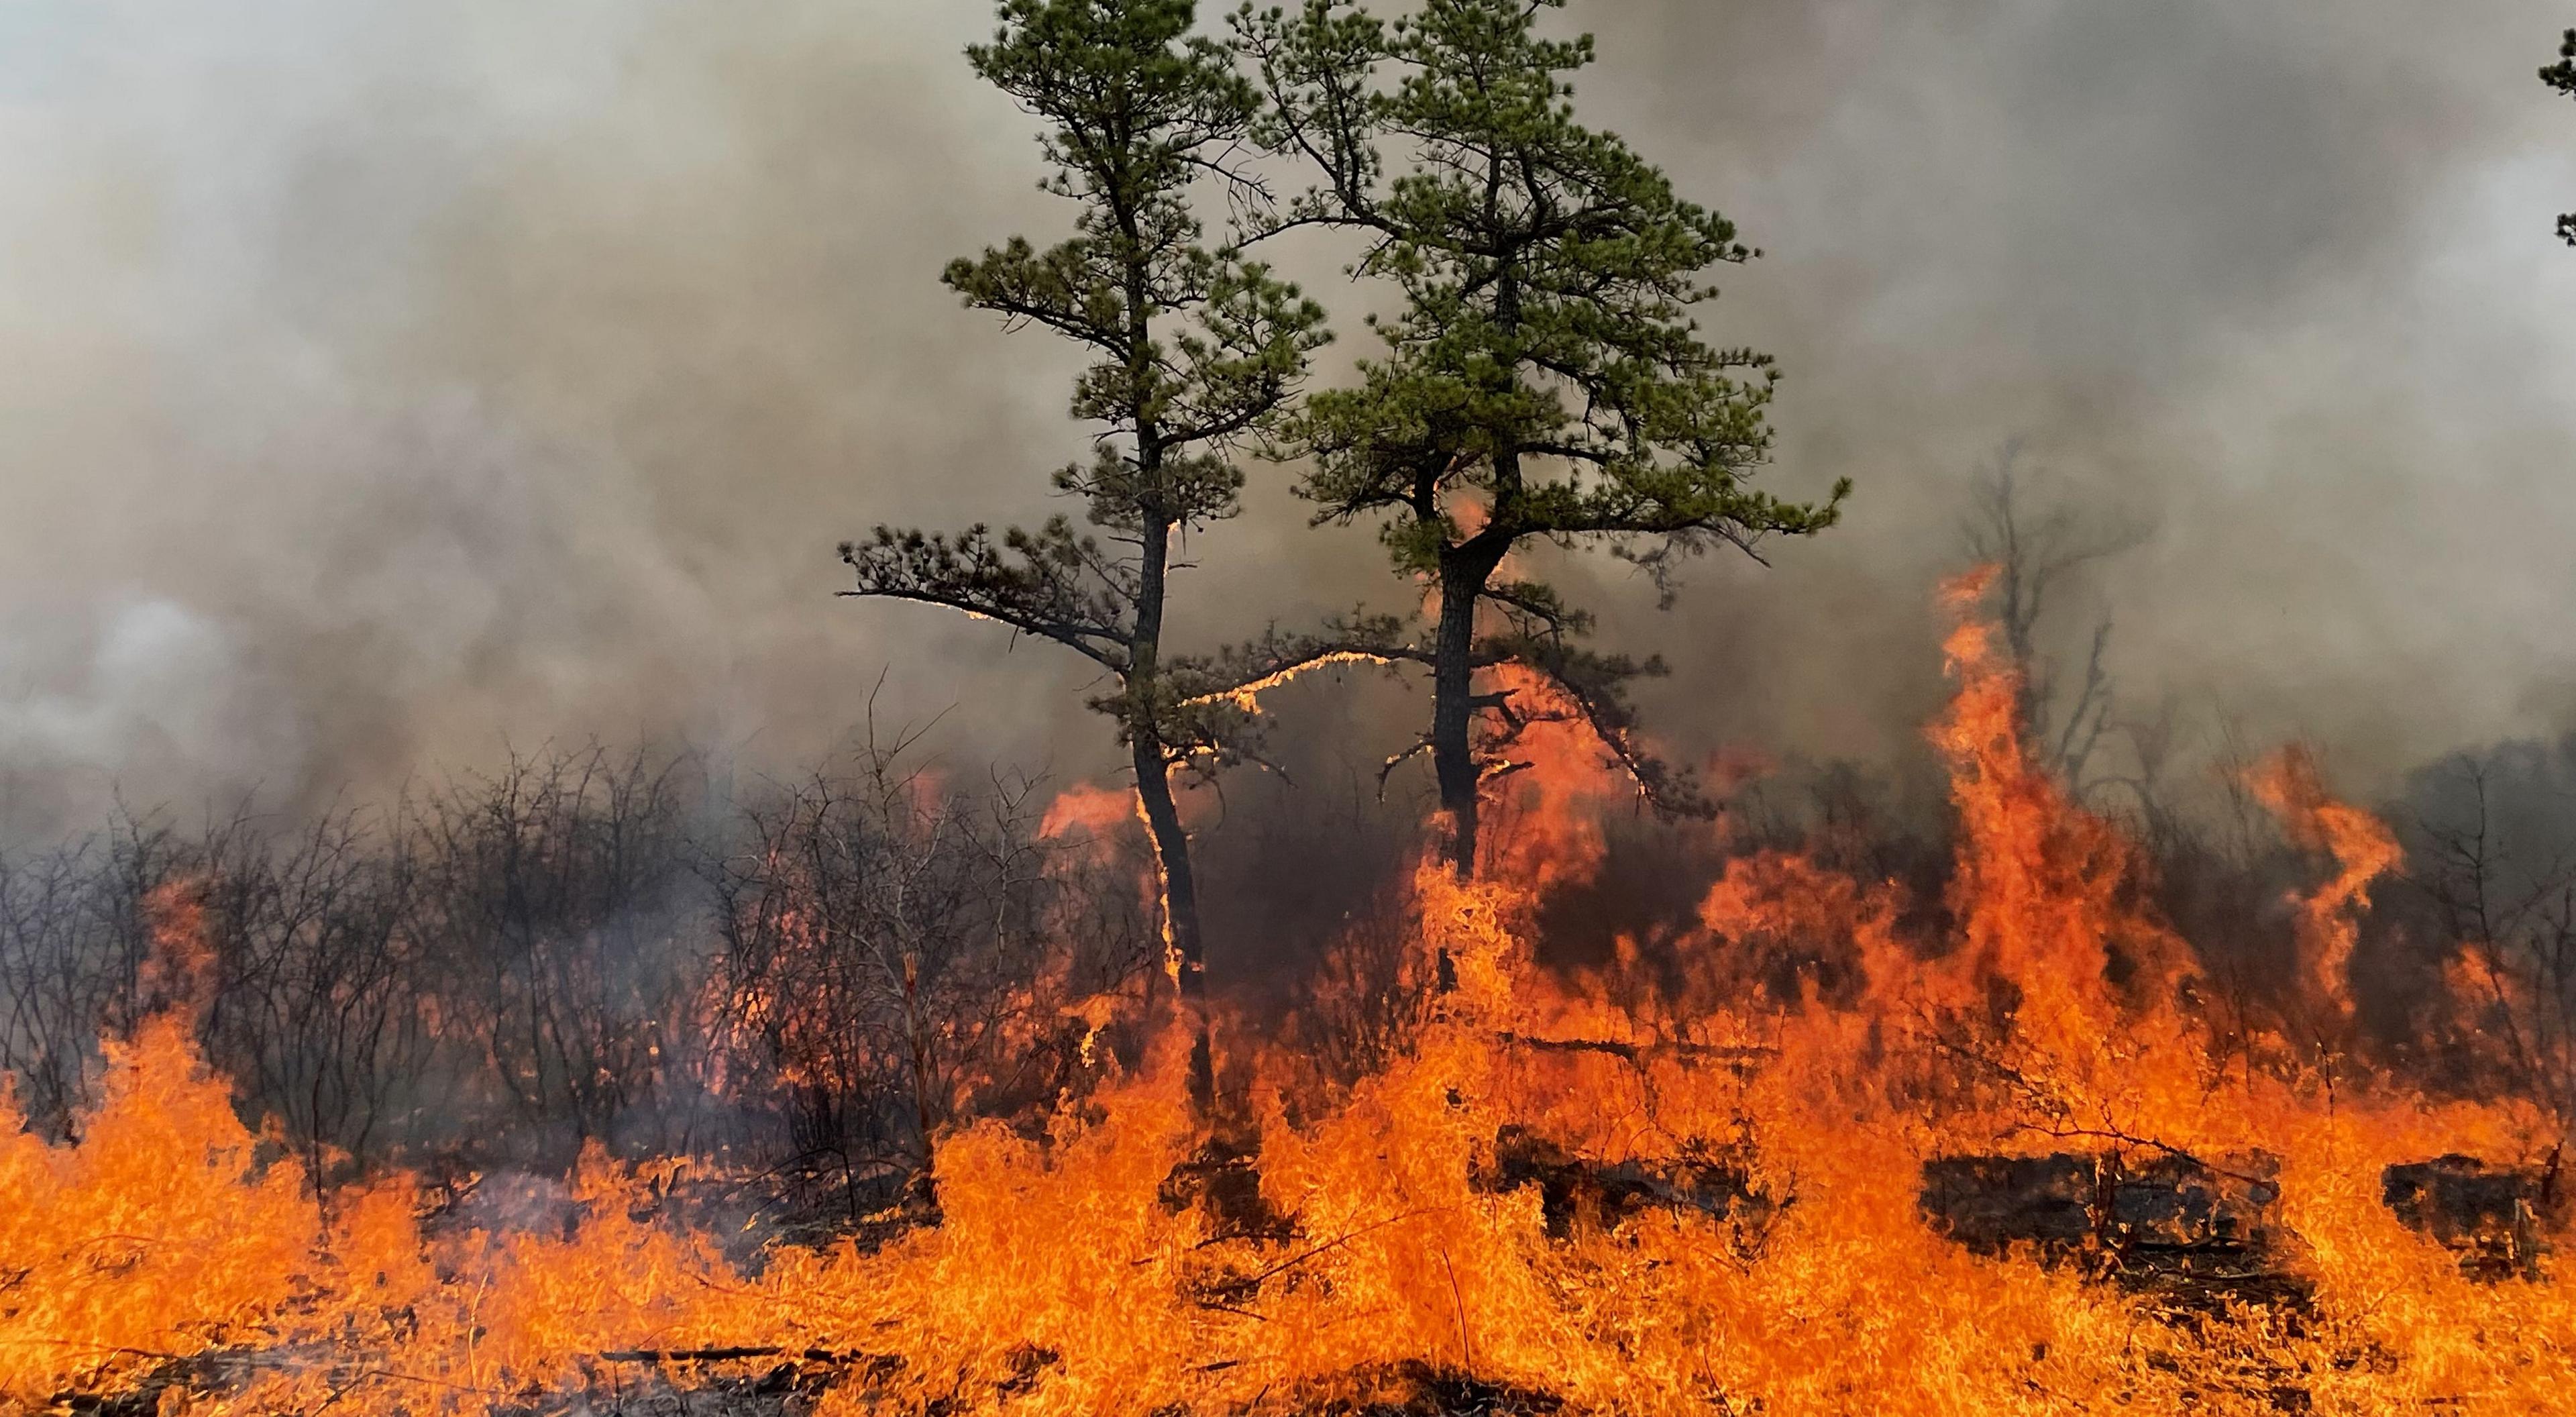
(386, 383)
(2277, 280)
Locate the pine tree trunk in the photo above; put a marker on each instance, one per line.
(1180, 912)
(1188, 955)
(1463, 573)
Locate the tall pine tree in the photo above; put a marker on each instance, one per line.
(1544, 380)
(1195, 348)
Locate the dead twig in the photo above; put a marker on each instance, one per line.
(1466, 1348)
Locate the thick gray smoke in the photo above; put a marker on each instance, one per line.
(2266, 276)
(385, 383)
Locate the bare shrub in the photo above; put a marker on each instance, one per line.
(900, 955)
(552, 914)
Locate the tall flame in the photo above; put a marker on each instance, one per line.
(1808, 1052)
(2362, 850)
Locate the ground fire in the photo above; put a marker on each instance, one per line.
(2009, 1148)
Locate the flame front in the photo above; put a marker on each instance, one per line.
(1804, 1037)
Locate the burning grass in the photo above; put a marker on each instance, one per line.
(1570, 1193)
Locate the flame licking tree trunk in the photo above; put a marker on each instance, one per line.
(1196, 348)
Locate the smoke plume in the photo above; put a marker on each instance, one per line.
(388, 384)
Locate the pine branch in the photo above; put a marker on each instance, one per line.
(1049, 583)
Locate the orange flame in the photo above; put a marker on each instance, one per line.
(2289, 786)
(2041, 1006)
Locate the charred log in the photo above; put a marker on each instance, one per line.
(2498, 1220)
(2186, 1234)
(1574, 1190)
(1990, 1204)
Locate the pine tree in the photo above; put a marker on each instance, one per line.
(1544, 381)
(1197, 348)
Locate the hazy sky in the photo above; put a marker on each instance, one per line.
(384, 381)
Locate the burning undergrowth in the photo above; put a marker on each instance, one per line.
(1821, 1144)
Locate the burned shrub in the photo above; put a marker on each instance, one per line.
(554, 924)
(898, 956)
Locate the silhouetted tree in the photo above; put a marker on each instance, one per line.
(1544, 379)
(2493, 852)
(1197, 348)
(2037, 546)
